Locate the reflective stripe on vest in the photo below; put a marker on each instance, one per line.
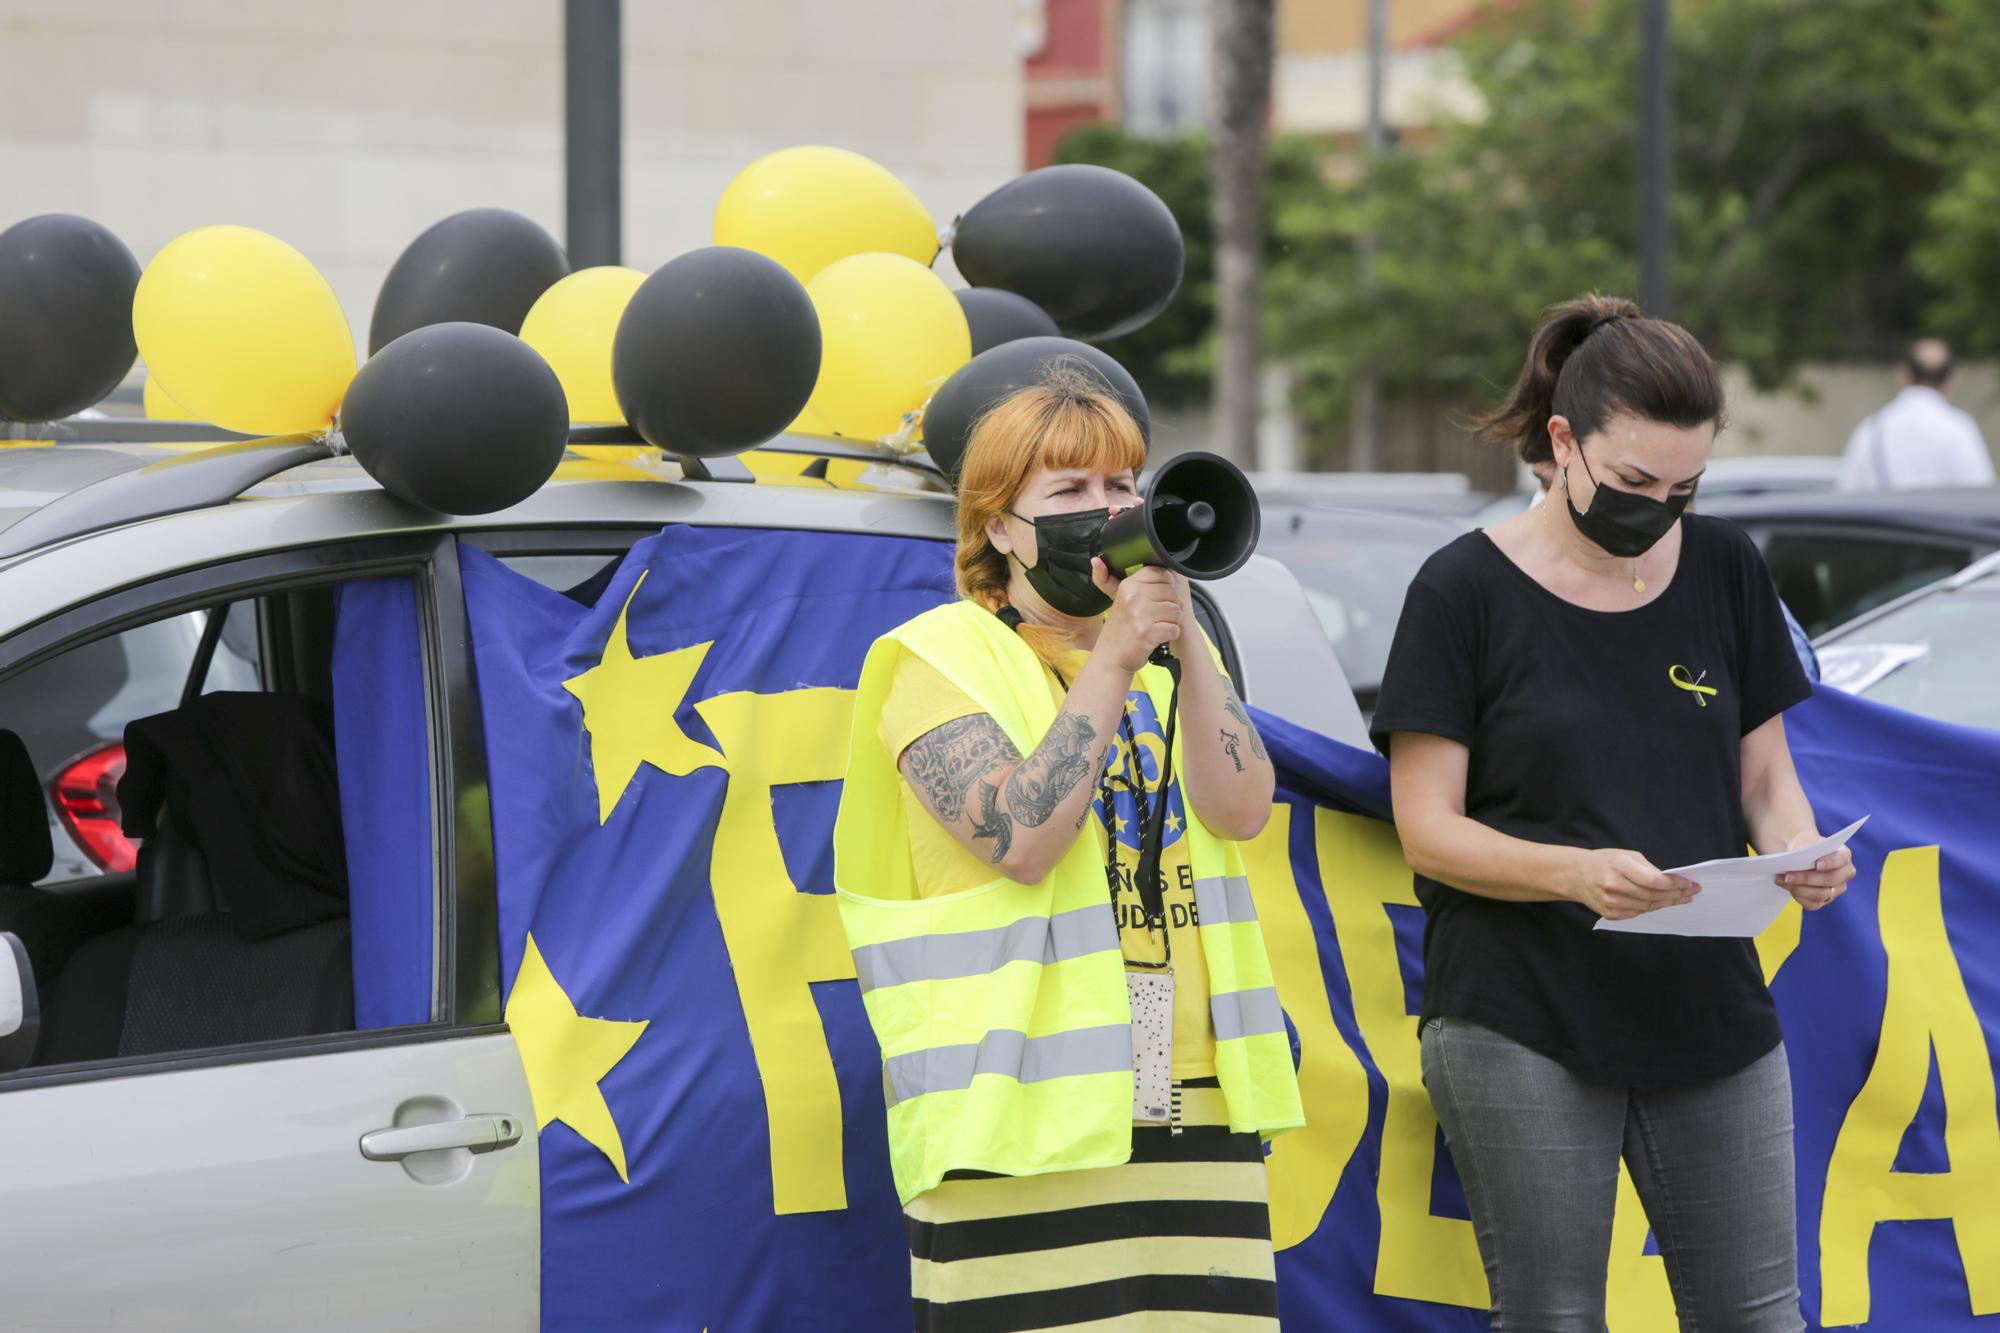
(1222, 899)
(1015, 1055)
(970, 953)
(1247, 1013)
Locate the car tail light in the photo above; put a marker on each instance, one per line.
(85, 796)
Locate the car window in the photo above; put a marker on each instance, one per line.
(581, 576)
(1951, 678)
(70, 712)
(242, 861)
(1828, 579)
(1355, 574)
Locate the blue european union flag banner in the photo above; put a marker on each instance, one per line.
(665, 764)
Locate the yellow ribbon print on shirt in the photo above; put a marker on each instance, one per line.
(1692, 684)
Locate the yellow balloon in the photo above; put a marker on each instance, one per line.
(807, 207)
(241, 330)
(890, 333)
(808, 424)
(159, 407)
(572, 325)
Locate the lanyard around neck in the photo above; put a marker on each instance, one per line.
(1152, 811)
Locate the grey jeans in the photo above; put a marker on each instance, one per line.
(1537, 1149)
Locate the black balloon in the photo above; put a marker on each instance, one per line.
(989, 377)
(1093, 247)
(717, 353)
(997, 316)
(461, 418)
(482, 266)
(66, 289)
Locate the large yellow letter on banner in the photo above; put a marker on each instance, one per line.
(1305, 1165)
(778, 938)
(1927, 1010)
(1422, 1256)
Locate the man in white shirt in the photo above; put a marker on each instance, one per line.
(1917, 440)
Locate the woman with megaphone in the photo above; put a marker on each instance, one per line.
(1038, 874)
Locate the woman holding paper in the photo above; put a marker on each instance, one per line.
(1586, 693)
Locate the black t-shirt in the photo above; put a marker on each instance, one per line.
(1597, 729)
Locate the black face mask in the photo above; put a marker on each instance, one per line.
(1623, 523)
(1065, 544)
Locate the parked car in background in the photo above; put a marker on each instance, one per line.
(1739, 477)
(1931, 651)
(1355, 565)
(1449, 494)
(1837, 555)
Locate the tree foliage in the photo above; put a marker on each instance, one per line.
(1815, 174)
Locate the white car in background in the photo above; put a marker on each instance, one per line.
(1930, 652)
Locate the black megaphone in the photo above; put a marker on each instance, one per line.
(1199, 518)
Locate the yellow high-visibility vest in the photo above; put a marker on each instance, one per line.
(1001, 1010)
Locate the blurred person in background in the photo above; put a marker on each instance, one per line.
(1918, 440)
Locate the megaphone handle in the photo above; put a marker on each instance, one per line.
(1146, 875)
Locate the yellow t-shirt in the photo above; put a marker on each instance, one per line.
(921, 698)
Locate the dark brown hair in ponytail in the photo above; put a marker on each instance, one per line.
(1596, 357)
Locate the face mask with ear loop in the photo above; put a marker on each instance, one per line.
(1622, 523)
(1065, 544)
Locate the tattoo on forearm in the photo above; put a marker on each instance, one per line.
(993, 822)
(1232, 747)
(1045, 778)
(944, 762)
(1235, 709)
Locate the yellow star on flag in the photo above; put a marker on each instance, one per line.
(567, 1055)
(1173, 822)
(628, 709)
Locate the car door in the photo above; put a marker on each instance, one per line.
(376, 1169)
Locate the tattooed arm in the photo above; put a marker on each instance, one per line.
(1228, 777)
(1020, 814)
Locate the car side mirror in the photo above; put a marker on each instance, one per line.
(20, 1010)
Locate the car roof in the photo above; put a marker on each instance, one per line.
(798, 482)
(1971, 508)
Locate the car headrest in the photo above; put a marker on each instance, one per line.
(249, 781)
(171, 876)
(26, 852)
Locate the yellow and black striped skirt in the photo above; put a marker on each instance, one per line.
(1177, 1238)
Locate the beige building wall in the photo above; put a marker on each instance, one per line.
(1815, 414)
(1320, 84)
(347, 128)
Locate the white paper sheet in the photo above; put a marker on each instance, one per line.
(1738, 897)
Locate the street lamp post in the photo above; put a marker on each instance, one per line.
(592, 131)
(1656, 159)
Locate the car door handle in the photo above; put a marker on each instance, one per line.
(481, 1133)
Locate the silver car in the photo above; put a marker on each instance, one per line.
(197, 1130)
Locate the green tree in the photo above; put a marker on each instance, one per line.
(1811, 151)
